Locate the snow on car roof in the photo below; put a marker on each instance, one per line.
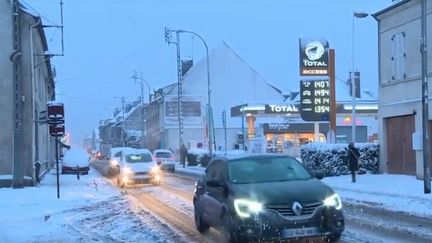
(162, 150)
(76, 157)
(135, 150)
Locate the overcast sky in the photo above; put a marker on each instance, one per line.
(105, 40)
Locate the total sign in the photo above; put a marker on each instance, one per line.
(315, 100)
(280, 109)
(313, 57)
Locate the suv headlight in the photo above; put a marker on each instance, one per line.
(333, 201)
(244, 207)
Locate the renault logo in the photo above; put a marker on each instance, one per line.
(297, 208)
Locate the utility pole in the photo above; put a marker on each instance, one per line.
(211, 134)
(168, 34)
(332, 76)
(425, 106)
(139, 76)
(135, 77)
(141, 81)
(123, 123)
(243, 126)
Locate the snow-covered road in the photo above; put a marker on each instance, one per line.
(363, 223)
(93, 209)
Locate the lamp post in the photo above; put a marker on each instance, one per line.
(167, 38)
(352, 76)
(208, 61)
(139, 76)
(208, 85)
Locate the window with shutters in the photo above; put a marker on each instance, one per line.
(398, 56)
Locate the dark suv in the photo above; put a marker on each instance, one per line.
(265, 197)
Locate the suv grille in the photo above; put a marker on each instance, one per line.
(141, 173)
(286, 211)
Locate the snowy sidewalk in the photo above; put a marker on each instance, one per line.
(398, 193)
(88, 210)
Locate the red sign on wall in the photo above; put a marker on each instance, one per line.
(55, 111)
(56, 130)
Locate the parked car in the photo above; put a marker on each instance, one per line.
(265, 197)
(137, 165)
(75, 161)
(165, 159)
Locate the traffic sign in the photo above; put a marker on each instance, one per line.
(57, 130)
(55, 111)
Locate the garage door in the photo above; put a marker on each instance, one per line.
(401, 156)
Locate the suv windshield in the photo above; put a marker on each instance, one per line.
(163, 155)
(264, 169)
(139, 158)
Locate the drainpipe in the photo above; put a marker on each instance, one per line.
(33, 96)
(17, 181)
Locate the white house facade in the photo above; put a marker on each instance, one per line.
(26, 85)
(400, 95)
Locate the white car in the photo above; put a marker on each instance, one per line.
(165, 159)
(114, 158)
(137, 165)
(75, 161)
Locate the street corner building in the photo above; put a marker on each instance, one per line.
(400, 72)
(26, 85)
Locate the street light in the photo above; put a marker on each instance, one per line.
(208, 61)
(167, 37)
(208, 85)
(139, 76)
(353, 86)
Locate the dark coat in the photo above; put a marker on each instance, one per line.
(183, 153)
(353, 156)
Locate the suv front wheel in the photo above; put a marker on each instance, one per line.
(226, 230)
(333, 237)
(200, 225)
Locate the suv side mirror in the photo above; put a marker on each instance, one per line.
(218, 184)
(215, 183)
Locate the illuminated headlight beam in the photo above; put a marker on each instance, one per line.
(244, 207)
(333, 201)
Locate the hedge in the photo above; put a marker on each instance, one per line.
(331, 159)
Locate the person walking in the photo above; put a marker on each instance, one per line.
(353, 156)
(183, 154)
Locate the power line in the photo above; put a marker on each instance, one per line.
(83, 99)
(36, 11)
(103, 68)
